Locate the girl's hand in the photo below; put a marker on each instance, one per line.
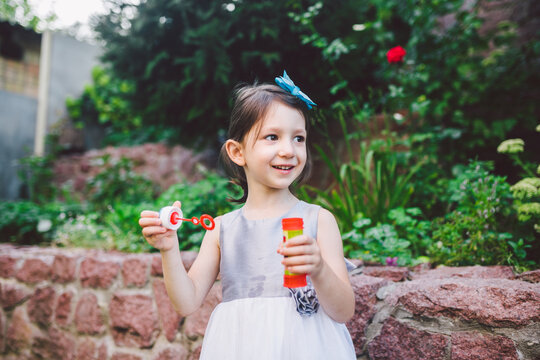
(156, 235)
(302, 255)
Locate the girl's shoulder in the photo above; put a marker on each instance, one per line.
(229, 217)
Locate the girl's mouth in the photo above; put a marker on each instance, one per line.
(283, 167)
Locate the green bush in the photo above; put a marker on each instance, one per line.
(374, 178)
(404, 236)
(480, 214)
(117, 183)
(28, 223)
(36, 173)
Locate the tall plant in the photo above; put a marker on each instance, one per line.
(373, 179)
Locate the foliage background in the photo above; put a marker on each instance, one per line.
(400, 147)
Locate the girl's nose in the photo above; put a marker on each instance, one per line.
(286, 149)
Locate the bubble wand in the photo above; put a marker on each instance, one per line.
(172, 217)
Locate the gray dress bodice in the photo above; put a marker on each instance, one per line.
(250, 265)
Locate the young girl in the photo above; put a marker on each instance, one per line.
(259, 318)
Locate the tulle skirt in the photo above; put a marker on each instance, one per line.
(271, 328)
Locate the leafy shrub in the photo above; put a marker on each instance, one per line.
(372, 180)
(36, 173)
(473, 232)
(405, 236)
(527, 190)
(118, 183)
(115, 228)
(28, 223)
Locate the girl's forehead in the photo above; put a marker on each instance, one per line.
(282, 116)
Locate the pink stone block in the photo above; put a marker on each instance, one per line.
(41, 305)
(63, 308)
(20, 332)
(33, 271)
(7, 266)
(103, 351)
(173, 353)
(392, 273)
(88, 316)
(134, 271)
(2, 332)
(11, 295)
(491, 302)
(476, 272)
(188, 257)
(476, 346)
(195, 354)
(125, 356)
(156, 269)
(365, 289)
(170, 319)
(56, 344)
(399, 341)
(532, 276)
(134, 320)
(63, 269)
(87, 350)
(98, 274)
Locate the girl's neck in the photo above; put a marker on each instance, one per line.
(260, 206)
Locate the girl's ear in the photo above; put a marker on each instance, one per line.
(235, 152)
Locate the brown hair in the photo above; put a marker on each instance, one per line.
(250, 106)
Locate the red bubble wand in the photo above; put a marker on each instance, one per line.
(172, 217)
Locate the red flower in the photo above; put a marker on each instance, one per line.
(396, 54)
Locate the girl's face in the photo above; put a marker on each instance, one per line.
(273, 153)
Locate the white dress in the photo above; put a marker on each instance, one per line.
(258, 318)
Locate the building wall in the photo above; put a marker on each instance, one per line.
(71, 62)
(71, 69)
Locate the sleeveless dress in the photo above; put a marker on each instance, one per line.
(257, 318)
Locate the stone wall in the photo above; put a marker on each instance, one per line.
(89, 304)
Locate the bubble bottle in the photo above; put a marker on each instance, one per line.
(293, 227)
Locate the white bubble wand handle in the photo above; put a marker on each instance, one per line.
(172, 217)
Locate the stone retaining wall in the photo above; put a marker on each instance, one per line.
(89, 304)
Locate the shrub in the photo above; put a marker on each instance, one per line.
(404, 236)
(117, 183)
(28, 223)
(473, 231)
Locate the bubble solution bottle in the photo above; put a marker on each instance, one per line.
(293, 227)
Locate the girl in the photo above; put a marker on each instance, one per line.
(259, 318)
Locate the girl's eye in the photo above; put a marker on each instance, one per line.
(271, 137)
(299, 138)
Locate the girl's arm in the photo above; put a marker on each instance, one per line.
(323, 261)
(186, 290)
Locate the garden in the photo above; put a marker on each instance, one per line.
(425, 138)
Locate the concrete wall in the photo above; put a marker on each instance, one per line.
(17, 126)
(71, 62)
(71, 69)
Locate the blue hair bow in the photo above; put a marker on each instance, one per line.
(287, 84)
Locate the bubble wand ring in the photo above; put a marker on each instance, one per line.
(172, 217)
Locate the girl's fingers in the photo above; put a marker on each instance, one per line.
(298, 260)
(301, 269)
(150, 214)
(297, 250)
(299, 240)
(149, 221)
(153, 230)
(177, 204)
